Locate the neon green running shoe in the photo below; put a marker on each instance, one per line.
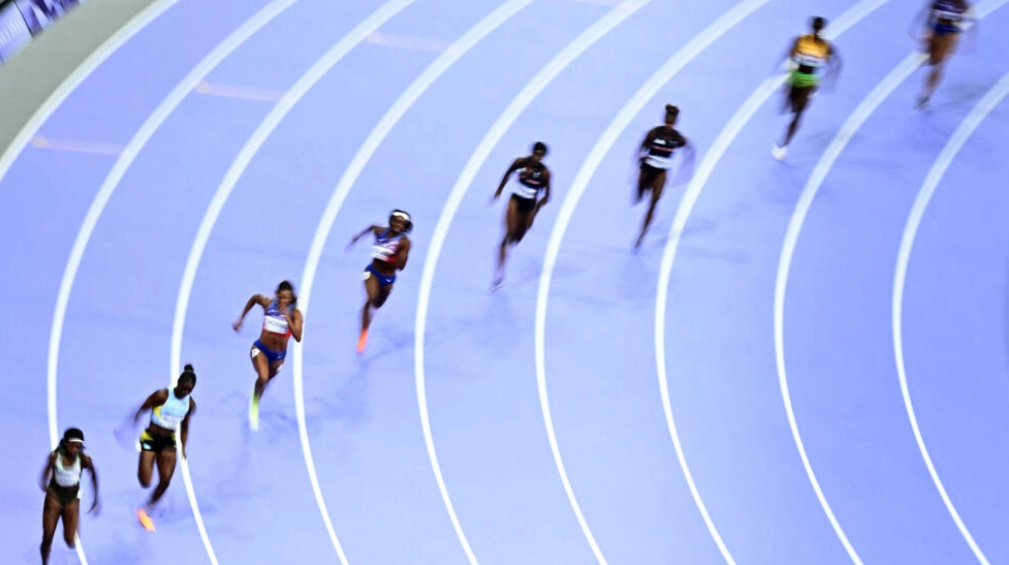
(254, 413)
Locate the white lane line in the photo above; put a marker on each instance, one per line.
(881, 92)
(529, 93)
(602, 147)
(70, 84)
(140, 138)
(725, 138)
(451, 55)
(291, 98)
(147, 129)
(921, 202)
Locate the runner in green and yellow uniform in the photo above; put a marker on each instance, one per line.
(809, 56)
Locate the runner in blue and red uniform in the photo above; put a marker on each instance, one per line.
(389, 254)
(943, 27)
(281, 321)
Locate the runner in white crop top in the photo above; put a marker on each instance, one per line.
(389, 254)
(61, 481)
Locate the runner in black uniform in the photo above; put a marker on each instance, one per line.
(525, 203)
(656, 156)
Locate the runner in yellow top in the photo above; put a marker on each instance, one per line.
(808, 56)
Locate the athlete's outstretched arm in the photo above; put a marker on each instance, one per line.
(89, 464)
(372, 228)
(646, 142)
(256, 299)
(156, 399)
(184, 427)
(516, 165)
(686, 169)
(44, 480)
(546, 192)
(834, 65)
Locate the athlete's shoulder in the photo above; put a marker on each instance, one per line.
(654, 133)
(263, 300)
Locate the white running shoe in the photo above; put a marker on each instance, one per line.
(779, 152)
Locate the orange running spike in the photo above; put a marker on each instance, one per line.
(362, 341)
(145, 520)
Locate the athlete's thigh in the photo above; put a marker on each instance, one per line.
(145, 467)
(166, 463)
(71, 517)
(259, 362)
(50, 515)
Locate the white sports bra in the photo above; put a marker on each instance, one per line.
(66, 477)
